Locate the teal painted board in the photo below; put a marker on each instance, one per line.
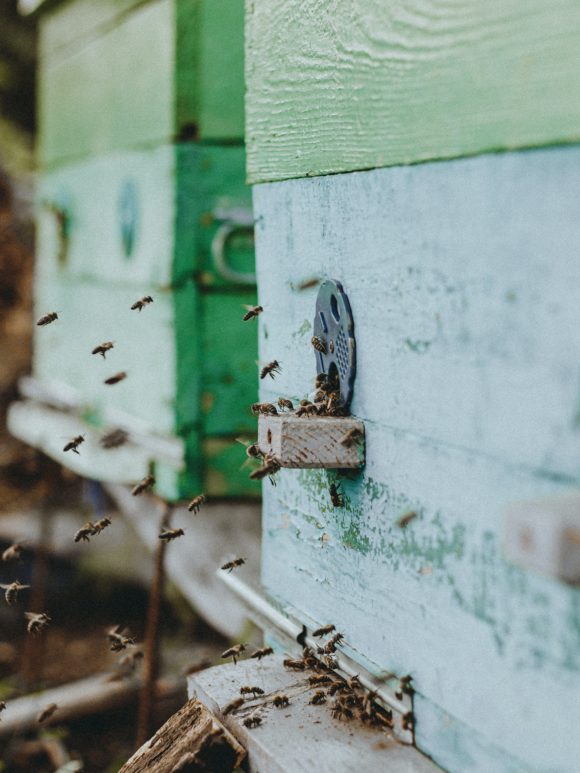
(465, 288)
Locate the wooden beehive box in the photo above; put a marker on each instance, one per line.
(387, 150)
(141, 191)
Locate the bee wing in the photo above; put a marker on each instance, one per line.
(247, 306)
(31, 615)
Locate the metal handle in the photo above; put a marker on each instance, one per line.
(218, 250)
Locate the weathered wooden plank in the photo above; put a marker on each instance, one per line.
(465, 321)
(341, 86)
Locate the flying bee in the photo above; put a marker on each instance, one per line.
(307, 284)
(47, 319)
(234, 652)
(196, 503)
(319, 679)
(232, 706)
(284, 403)
(406, 519)
(36, 621)
(2, 706)
(351, 437)
(336, 639)
(266, 409)
(319, 344)
(323, 630)
(270, 369)
(101, 525)
(140, 304)
(74, 443)
(281, 700)
(84, 533)
(247, 690)
(253, 720)
(12, 590)
(116, 378)
(230, 565)
(114, 439)
(253, 312)
(171, 534)
(335, 495)
(269, 468)
(252, 449)
(145, 484)
(12, 553)
(262, 652)
(295, 665)
(119, 639)
(318, 698)
(103, 348)
(46, 713)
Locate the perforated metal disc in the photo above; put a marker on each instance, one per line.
(333, 323)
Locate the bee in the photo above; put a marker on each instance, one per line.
(12, 553)
(266, 409)
(330, 662)
(2, 706)
(232, 706)
(46, 713)
(270, 369)
(253, 312)
(406, 519)
(284, 403)
(351, 437)
(253, 720)
(268, 469)
(309, 659)
(252, 449)
(319, 344)
(295, 665)
(323, 630)
(233, 564)
(337, 686)
(247, 690)
(261, 653)
(145, 484)
(47, 319)
(101, 525)
(335, 496)
(281, 700)
(333, 407)
(234, 652)
(382, 718)
(119, 639)
(353, 683)
(307, 409)
(84, 534)
(336, 639)
(408, 721)
(103, 348)
(140, 304)
(404, 687)
(318, 697)
(36, 621)
(171, 534)
(114, 439)
(321, 381)
(196, 503)
(307, 284)
(319, 679)
(12, 590)
(74, 443)
(116, 378)
(340, 710)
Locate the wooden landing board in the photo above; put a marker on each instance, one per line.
(333, 87)
(463, 279)
(299, 737)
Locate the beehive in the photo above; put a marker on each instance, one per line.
(142, 192)
(422, 153)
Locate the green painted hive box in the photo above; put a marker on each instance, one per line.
(142, 192)
(424, 154)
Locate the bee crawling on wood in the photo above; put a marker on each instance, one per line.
(335, 495)
(283, 403)
(330, 662)
(196, 503)
(233, 705)
(47, 319)
(270, 369)
(85, 532)
(170, 534)
(307, 409)
(319, 679)
(253, 720)
(318, 698)
(266, 409)
(295, 665)
(147, 482)
(319, 344)
(74, 443)
(101, 525)
(351, 437)
(12, 590)
(234, 652)
(116, 378)
(13, 552)
(103, 348)
(262, 652)
(253, 312)
(119, 639)
(114, 439)
(281, 700)
(406, 519)
(309, 658)
(340, 710)
(141, 303)
(36, 621)
(337, 686)
(354, 682)
(323, 630)
(248, 690)
(230, 565)
(46, 713)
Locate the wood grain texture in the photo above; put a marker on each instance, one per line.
(463, 279)
(342, 85)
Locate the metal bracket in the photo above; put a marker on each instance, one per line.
(235, 221)
(334, 326)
